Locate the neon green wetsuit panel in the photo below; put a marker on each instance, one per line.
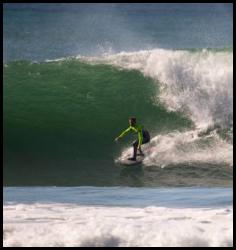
(137, 129)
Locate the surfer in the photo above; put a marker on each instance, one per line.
(143, 137)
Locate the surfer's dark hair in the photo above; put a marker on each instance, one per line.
(133, 119)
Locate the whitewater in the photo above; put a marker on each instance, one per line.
(117, 217)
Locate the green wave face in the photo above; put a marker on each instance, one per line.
(61, 112)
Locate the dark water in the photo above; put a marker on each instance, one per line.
(61, 117)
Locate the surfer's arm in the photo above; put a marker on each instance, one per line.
(124, 133)
(140, 139)
(140, 135)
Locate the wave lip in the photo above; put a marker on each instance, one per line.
(199, 83)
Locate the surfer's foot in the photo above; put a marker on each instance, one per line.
(141, 154)
(132, 159)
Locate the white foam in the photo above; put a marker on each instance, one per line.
(185, 147)
(41, 225)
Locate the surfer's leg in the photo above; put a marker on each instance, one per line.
(145, 140)
(141, 152)
(135, 146)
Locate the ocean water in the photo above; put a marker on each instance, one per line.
(72, 76)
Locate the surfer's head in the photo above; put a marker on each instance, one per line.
(132, 121)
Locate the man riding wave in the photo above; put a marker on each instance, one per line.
(143, 137)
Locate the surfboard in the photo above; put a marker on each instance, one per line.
(128, 162)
